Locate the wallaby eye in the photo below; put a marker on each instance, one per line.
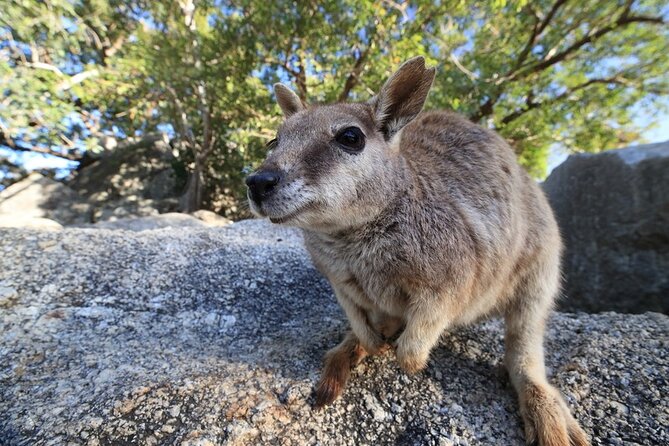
(351, 139)
(272, 144)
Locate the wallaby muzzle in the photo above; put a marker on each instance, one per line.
(262, 184)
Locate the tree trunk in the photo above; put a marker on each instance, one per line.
(191, 200)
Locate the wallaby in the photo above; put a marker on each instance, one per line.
(421, 222)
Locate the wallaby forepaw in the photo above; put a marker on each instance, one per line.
(411, 363)
(409, 358)
(328, 390)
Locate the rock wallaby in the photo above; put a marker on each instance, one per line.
(421, 222)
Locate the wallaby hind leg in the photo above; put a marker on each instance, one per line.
(546, 416)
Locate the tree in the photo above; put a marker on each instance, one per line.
(50, 52)
(192, 67)
(543, 73)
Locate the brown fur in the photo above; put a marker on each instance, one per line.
(433, 225)
(336, 369)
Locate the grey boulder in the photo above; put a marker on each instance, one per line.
(167, 220)
(39, 201)
(198, 219)
(131, 178)
(613, 210)
(208, 336)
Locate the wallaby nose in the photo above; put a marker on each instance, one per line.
(261, 184)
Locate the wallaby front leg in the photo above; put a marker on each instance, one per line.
(336, 369)
(370, 340)
(424, 326)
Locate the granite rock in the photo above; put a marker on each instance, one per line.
(167, 220)
(613, 210)
(36, 198)
(208, 336)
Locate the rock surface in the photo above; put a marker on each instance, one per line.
(198, 219)
(168, 220)
(38, 197)
(135, 179)
(613, 210)
(19, 221)
(211, 218)
(196, 336)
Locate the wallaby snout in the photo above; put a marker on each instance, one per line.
(262, 184)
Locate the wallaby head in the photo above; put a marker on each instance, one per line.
(335, 166)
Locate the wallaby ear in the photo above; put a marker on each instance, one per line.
(289, 102)
(402, 96)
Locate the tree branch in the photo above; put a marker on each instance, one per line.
(301, 77)
(531, 105)
(553, 58)
(77, 78)
(485, 109)
(354, 75)
(539, 27)
(593, 35)
(106, 49)
(537, 30)
(45, 66)
(458, 64)
(15, 145)
(182, 118)
(283, 65)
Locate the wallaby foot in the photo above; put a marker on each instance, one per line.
(411, 360)
(545, 414)
(547, 419)
(337, 368)
(412, 364)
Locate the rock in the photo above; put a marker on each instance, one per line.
(613, 209)
(8, 296)
(158, 337)
(19, 221)
(199, 219)
(135, 179)
(37, 196)
(139, 177)
(211, 218)
(168, 220)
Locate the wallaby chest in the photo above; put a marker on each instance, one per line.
(366, 269)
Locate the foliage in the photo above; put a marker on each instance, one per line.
(542, 73)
